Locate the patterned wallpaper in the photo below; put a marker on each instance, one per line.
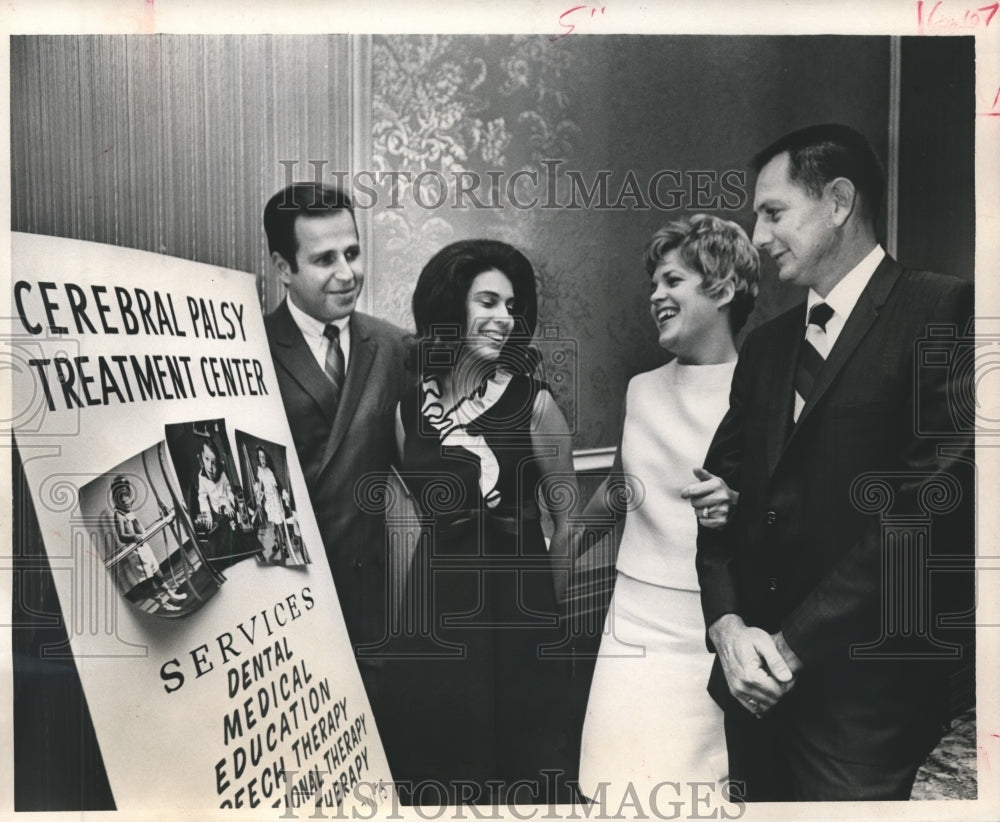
(621, 108)
(456, 106)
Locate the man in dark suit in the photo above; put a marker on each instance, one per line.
(340, 373)
(833, 421)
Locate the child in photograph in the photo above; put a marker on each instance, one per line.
(215, 493)
(130, 532)
(270, 497)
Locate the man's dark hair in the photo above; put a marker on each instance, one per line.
(299, 200)
(821, 153)
(439, 299)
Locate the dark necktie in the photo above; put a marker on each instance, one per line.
(334, 366)
(811, 358)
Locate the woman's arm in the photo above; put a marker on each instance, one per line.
(553, 449)
(610, 501)
(400, 433)
(599, 511)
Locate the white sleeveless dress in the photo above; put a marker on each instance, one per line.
(649, 717)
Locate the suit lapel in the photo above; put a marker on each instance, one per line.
(363, 350)
(781, 392)
(291, 351)
(858, 324)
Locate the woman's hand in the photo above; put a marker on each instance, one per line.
(713, 501)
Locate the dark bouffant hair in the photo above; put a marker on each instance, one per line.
(439, 301)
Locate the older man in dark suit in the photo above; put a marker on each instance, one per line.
(829, 693)
(340, 373)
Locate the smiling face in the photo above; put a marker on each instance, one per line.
(793, 227)
(691, 323)
(329, 271)
(489, 308)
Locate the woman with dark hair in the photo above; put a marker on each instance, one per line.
(482, 707)
(650, 719)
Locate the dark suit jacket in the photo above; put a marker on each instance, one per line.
(337, 449)
(804, 550)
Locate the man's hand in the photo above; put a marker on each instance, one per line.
(791, 659)
(756, 672)
(713, 501)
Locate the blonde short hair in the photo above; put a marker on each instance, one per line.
(719, 250)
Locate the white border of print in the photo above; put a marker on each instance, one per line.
(886, 17)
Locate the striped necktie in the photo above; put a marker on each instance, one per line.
(334, 366)
(812, 354)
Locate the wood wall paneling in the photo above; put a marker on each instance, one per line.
(172, 143)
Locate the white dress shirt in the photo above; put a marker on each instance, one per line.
(312, 332)
(842, 300)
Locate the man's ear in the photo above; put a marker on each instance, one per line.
(843, 199)
(284, 269)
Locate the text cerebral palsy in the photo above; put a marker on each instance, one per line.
(53, 311)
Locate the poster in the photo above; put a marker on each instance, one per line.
(196, 586)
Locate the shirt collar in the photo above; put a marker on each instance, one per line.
(846, 293)
(310, 326)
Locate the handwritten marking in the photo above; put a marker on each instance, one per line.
(971, 19)
(579, 12)
(994, 111)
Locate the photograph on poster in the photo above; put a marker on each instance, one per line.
(271, 506)
(146, 539)
(216, 501)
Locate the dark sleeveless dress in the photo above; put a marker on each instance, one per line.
(477, 695)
